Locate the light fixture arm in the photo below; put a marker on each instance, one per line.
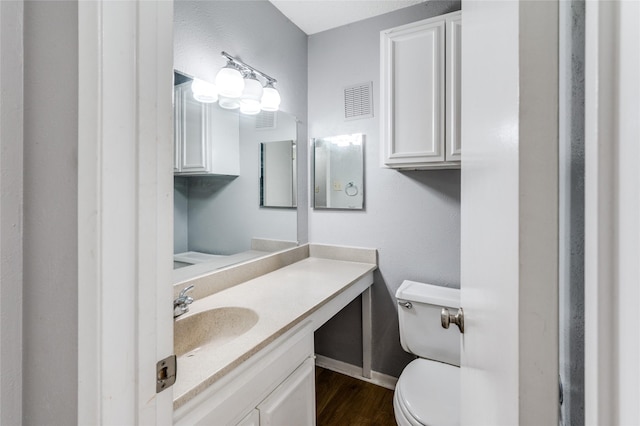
(244, 66)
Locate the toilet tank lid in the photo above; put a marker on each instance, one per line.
(428, 293)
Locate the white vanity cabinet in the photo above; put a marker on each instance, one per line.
(420, 94)
(251, 419)
(293, 402)
(276, 386)
(206, 137)
(265, 374)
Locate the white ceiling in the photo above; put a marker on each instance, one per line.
(314, 16)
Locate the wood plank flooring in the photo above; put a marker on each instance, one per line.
(344, 401)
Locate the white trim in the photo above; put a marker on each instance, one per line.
(612, 213)
(124, 210)
(598, 220)
(11, 207)
(367, 333)
(354, 371)
(538, 189)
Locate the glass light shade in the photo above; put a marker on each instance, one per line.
(249, 106)
(270, 98)
(230, 82)
(204, 91)
(228, 103)
(252, 89)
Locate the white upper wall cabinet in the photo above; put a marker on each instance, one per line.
(206, 137)
(453, 84)
(420, 94)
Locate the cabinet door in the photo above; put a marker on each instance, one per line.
(194, 133)
(177, 128)
(251, 419)
(412, 93)
(224, 130)
(293, 402)
(453, 147)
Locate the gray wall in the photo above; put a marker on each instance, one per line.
(180, 214)
(224, 213)
(255, 32)
(50, 213)
(412, 218)
(571, 301)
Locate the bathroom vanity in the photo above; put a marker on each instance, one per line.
(245, 349)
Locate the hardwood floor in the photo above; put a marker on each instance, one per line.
(344, 401)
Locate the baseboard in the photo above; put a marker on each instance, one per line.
(354, 371)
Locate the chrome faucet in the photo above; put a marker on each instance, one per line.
(181, 304)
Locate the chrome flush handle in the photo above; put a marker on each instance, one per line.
(447, 318)
(405, 304)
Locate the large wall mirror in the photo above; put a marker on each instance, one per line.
(338, 172)
(223, 219)
(219, 217)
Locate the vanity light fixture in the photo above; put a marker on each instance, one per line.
(229, 80)
(251, 95)
(270, 97)
(228, 103)
(246, 92)
(204, 91)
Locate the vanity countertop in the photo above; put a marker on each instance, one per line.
(282, 299)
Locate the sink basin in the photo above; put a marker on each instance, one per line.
(213, 327)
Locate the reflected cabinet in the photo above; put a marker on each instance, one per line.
(206, 137)
(420, 94)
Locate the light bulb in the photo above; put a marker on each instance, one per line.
(204, 91)
(252, 88)
(249, 106)
(229, 81)
(228, 103)
(270, 98)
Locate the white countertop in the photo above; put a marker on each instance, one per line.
(282, 299)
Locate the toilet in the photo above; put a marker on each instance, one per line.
(428, 390)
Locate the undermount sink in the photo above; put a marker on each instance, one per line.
(213, 327)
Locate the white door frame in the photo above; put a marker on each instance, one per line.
(612, 216)
(11, 207)
(124, 210)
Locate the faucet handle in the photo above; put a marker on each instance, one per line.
(184, 292)
(181, 304)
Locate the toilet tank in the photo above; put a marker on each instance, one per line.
(421, 332)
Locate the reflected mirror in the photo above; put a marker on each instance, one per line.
(218, 217)
(338, 172)
(278, 177)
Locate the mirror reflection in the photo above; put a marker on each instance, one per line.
(278, 178)
(338, 165)
(218, 219)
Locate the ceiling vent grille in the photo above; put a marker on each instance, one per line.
(266, 120)
(358, 101)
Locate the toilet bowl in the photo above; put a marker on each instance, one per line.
(428, 390)
(428, 393)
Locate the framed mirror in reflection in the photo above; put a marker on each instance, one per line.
(278, 187)
(338, 172)
(218, 220)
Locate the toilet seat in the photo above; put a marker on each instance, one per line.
(428, 393)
